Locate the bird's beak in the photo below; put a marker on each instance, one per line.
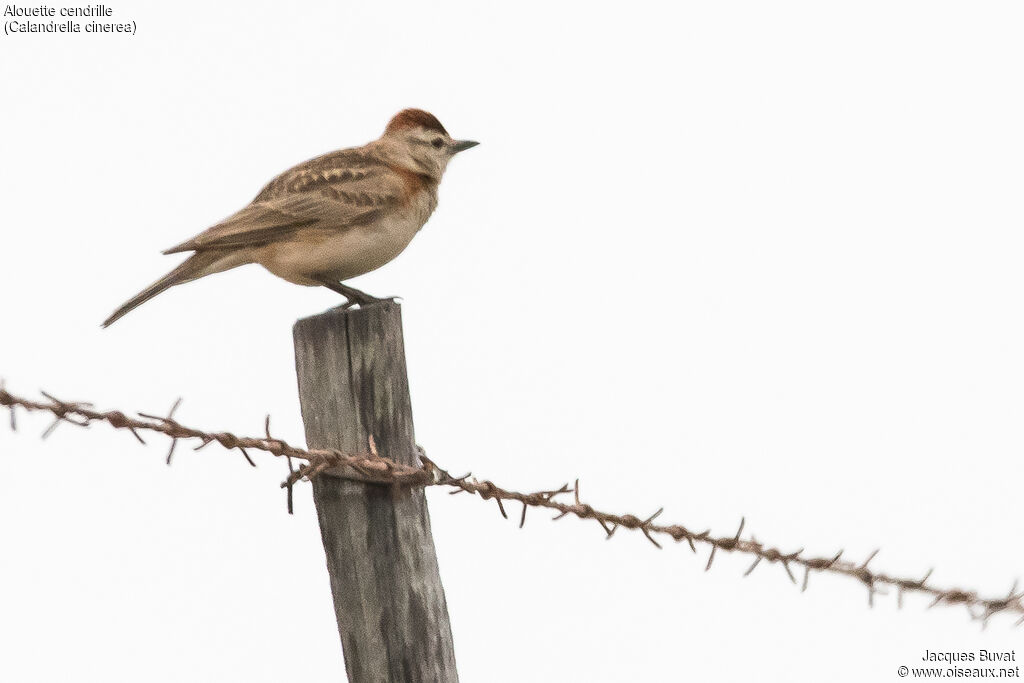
(463, 145)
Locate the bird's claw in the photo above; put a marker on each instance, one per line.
(367, 301)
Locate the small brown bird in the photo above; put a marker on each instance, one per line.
(331, 218)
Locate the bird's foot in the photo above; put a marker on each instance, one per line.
(366, 300)
(354, 296)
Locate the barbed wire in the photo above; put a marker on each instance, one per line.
(375, 468)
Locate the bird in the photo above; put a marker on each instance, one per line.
(331, 218)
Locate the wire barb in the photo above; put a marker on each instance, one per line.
(383, 469)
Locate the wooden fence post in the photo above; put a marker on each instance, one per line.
(387, 591)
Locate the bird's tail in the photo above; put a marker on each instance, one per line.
(195, 266)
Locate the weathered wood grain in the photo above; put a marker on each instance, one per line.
(387, 591)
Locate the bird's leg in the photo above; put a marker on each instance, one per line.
(356, 296)
(353, 295)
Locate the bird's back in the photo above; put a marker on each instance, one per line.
(344, 169)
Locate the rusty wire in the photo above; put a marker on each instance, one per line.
(375, 468)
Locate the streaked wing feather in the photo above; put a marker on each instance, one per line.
(259, 222)
(343, 166)
(326, 192)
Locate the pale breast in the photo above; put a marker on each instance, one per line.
(346, 252)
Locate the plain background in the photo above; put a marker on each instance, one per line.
(739, 258)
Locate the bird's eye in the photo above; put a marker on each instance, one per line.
(438, 143)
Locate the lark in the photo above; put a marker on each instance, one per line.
(331, 218)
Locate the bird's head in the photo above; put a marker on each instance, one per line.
(416, 140)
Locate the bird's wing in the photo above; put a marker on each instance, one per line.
(335, 192)
(345, 166)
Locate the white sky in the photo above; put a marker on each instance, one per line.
(746, 258)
